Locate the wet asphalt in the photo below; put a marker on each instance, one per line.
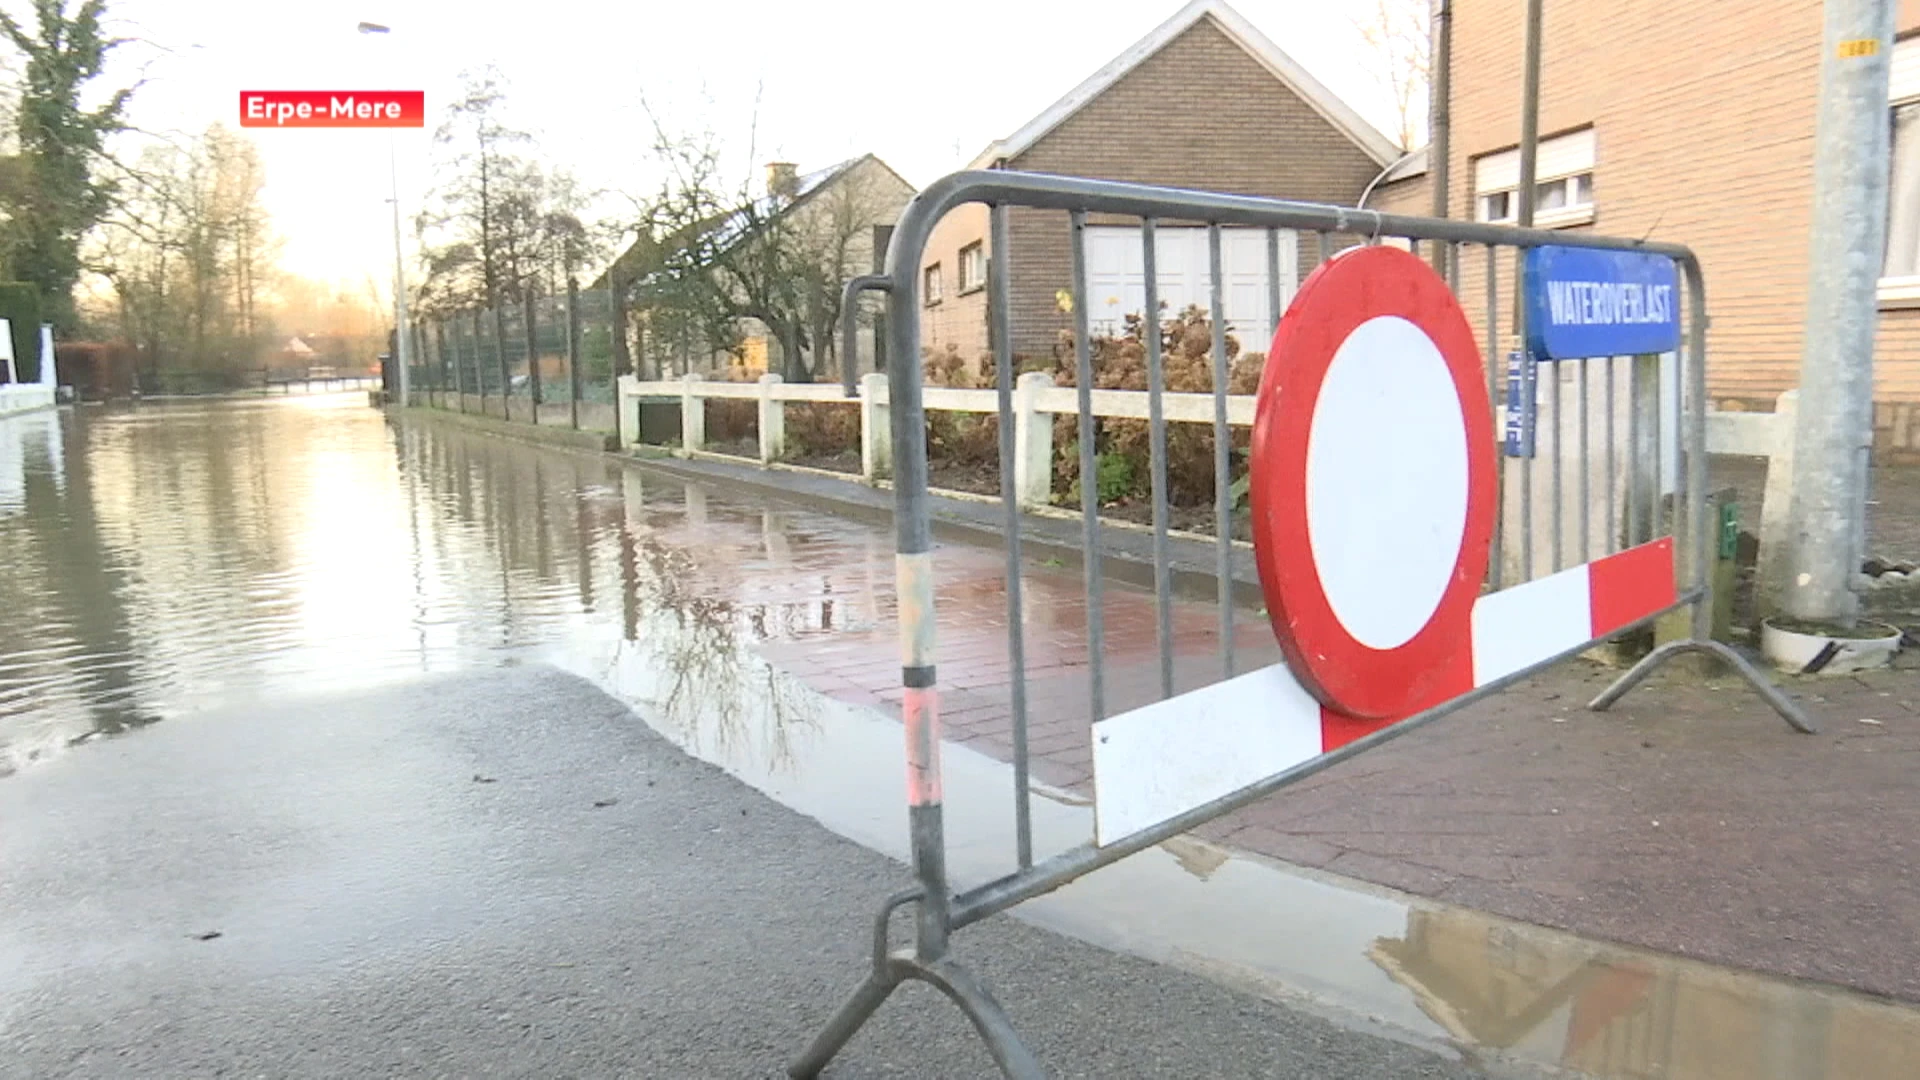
(508, 874)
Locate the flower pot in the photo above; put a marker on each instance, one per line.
(1809, 650)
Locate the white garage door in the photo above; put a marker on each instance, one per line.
(1116, 276)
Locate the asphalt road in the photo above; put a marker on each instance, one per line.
(507, 874)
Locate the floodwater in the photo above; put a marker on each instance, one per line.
(169, 559)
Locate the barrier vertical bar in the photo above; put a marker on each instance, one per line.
(1635, 497)
(1222, 450)
(1002, 333)
(1496, 390)
(1089, 470)
(1613, 453)
(1559, 495)
(1273, 282)
(1326, 247)
(1586, 471)
(913, 540)
(1157, 448)
(1529, 418)
(1701, 533)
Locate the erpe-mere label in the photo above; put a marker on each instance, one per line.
(332, 108)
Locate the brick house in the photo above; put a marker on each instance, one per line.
(1645, 133)
(1204, 101)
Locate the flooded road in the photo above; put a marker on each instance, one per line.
(175, 559)
(178, 560)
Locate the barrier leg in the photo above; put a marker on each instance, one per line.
(1795, 717)
(890, 969)
(989, 1019)
(849, 1020)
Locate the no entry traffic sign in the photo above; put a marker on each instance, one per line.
(1373, 485)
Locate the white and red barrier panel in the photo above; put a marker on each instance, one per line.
(1374, 498)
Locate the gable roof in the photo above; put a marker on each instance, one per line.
(724, 231)
(1242, 33)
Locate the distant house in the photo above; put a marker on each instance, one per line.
(834, 212)
(1204, 101)
(296, 353)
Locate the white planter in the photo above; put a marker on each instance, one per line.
(1792, 651)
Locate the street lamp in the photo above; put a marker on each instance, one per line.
(402, 360)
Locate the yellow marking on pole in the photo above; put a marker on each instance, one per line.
(1855, 48)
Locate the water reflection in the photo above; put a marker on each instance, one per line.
(163, 560)
(1607, 1012)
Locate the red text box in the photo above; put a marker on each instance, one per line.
(333, 108)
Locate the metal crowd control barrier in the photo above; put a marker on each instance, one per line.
(1512, 603)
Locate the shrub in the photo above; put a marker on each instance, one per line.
(967, 440)
(730, 420)
(822, 429)
(1120, 363)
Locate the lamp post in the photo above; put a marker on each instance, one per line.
(402, 361)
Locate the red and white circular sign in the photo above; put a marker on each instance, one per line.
(1373, 485)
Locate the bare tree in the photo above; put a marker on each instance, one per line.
(709, 258)
(188, 251)
(468, 216)
(1399, 34)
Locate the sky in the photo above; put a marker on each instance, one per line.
(924, 86)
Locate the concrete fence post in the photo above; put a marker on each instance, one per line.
(1032, 442)
(773, 420)
(693, 416)
(1776, 505)
(628, 409)
(876, 429)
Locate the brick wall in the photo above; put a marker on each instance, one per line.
(960, 319)
(1200, 113)
(1707, 146)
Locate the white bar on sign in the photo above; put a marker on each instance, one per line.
(1161, 760)
(1515, 628)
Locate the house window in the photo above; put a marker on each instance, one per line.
(973, 267)
(931, 289)
(1563, 183)
(1900, 273)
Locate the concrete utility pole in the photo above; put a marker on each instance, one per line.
(1834, 430)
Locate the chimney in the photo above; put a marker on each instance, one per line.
(783, 179)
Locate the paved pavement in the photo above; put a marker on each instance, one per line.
(507, 874)
(1688, 819)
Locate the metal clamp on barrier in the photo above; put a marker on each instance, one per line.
(1407, 565)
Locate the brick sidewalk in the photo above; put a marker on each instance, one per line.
(1689, 819)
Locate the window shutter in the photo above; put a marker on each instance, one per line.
(1904, 81)
(1567, 155)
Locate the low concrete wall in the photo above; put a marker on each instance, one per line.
(554, 435)
(595, 416)
(24, 397)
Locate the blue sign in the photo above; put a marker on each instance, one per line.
(1585, 302)
(1522, 399)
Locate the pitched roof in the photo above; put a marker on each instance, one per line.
(724, 231)
(733, 227)
(1242, 33)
